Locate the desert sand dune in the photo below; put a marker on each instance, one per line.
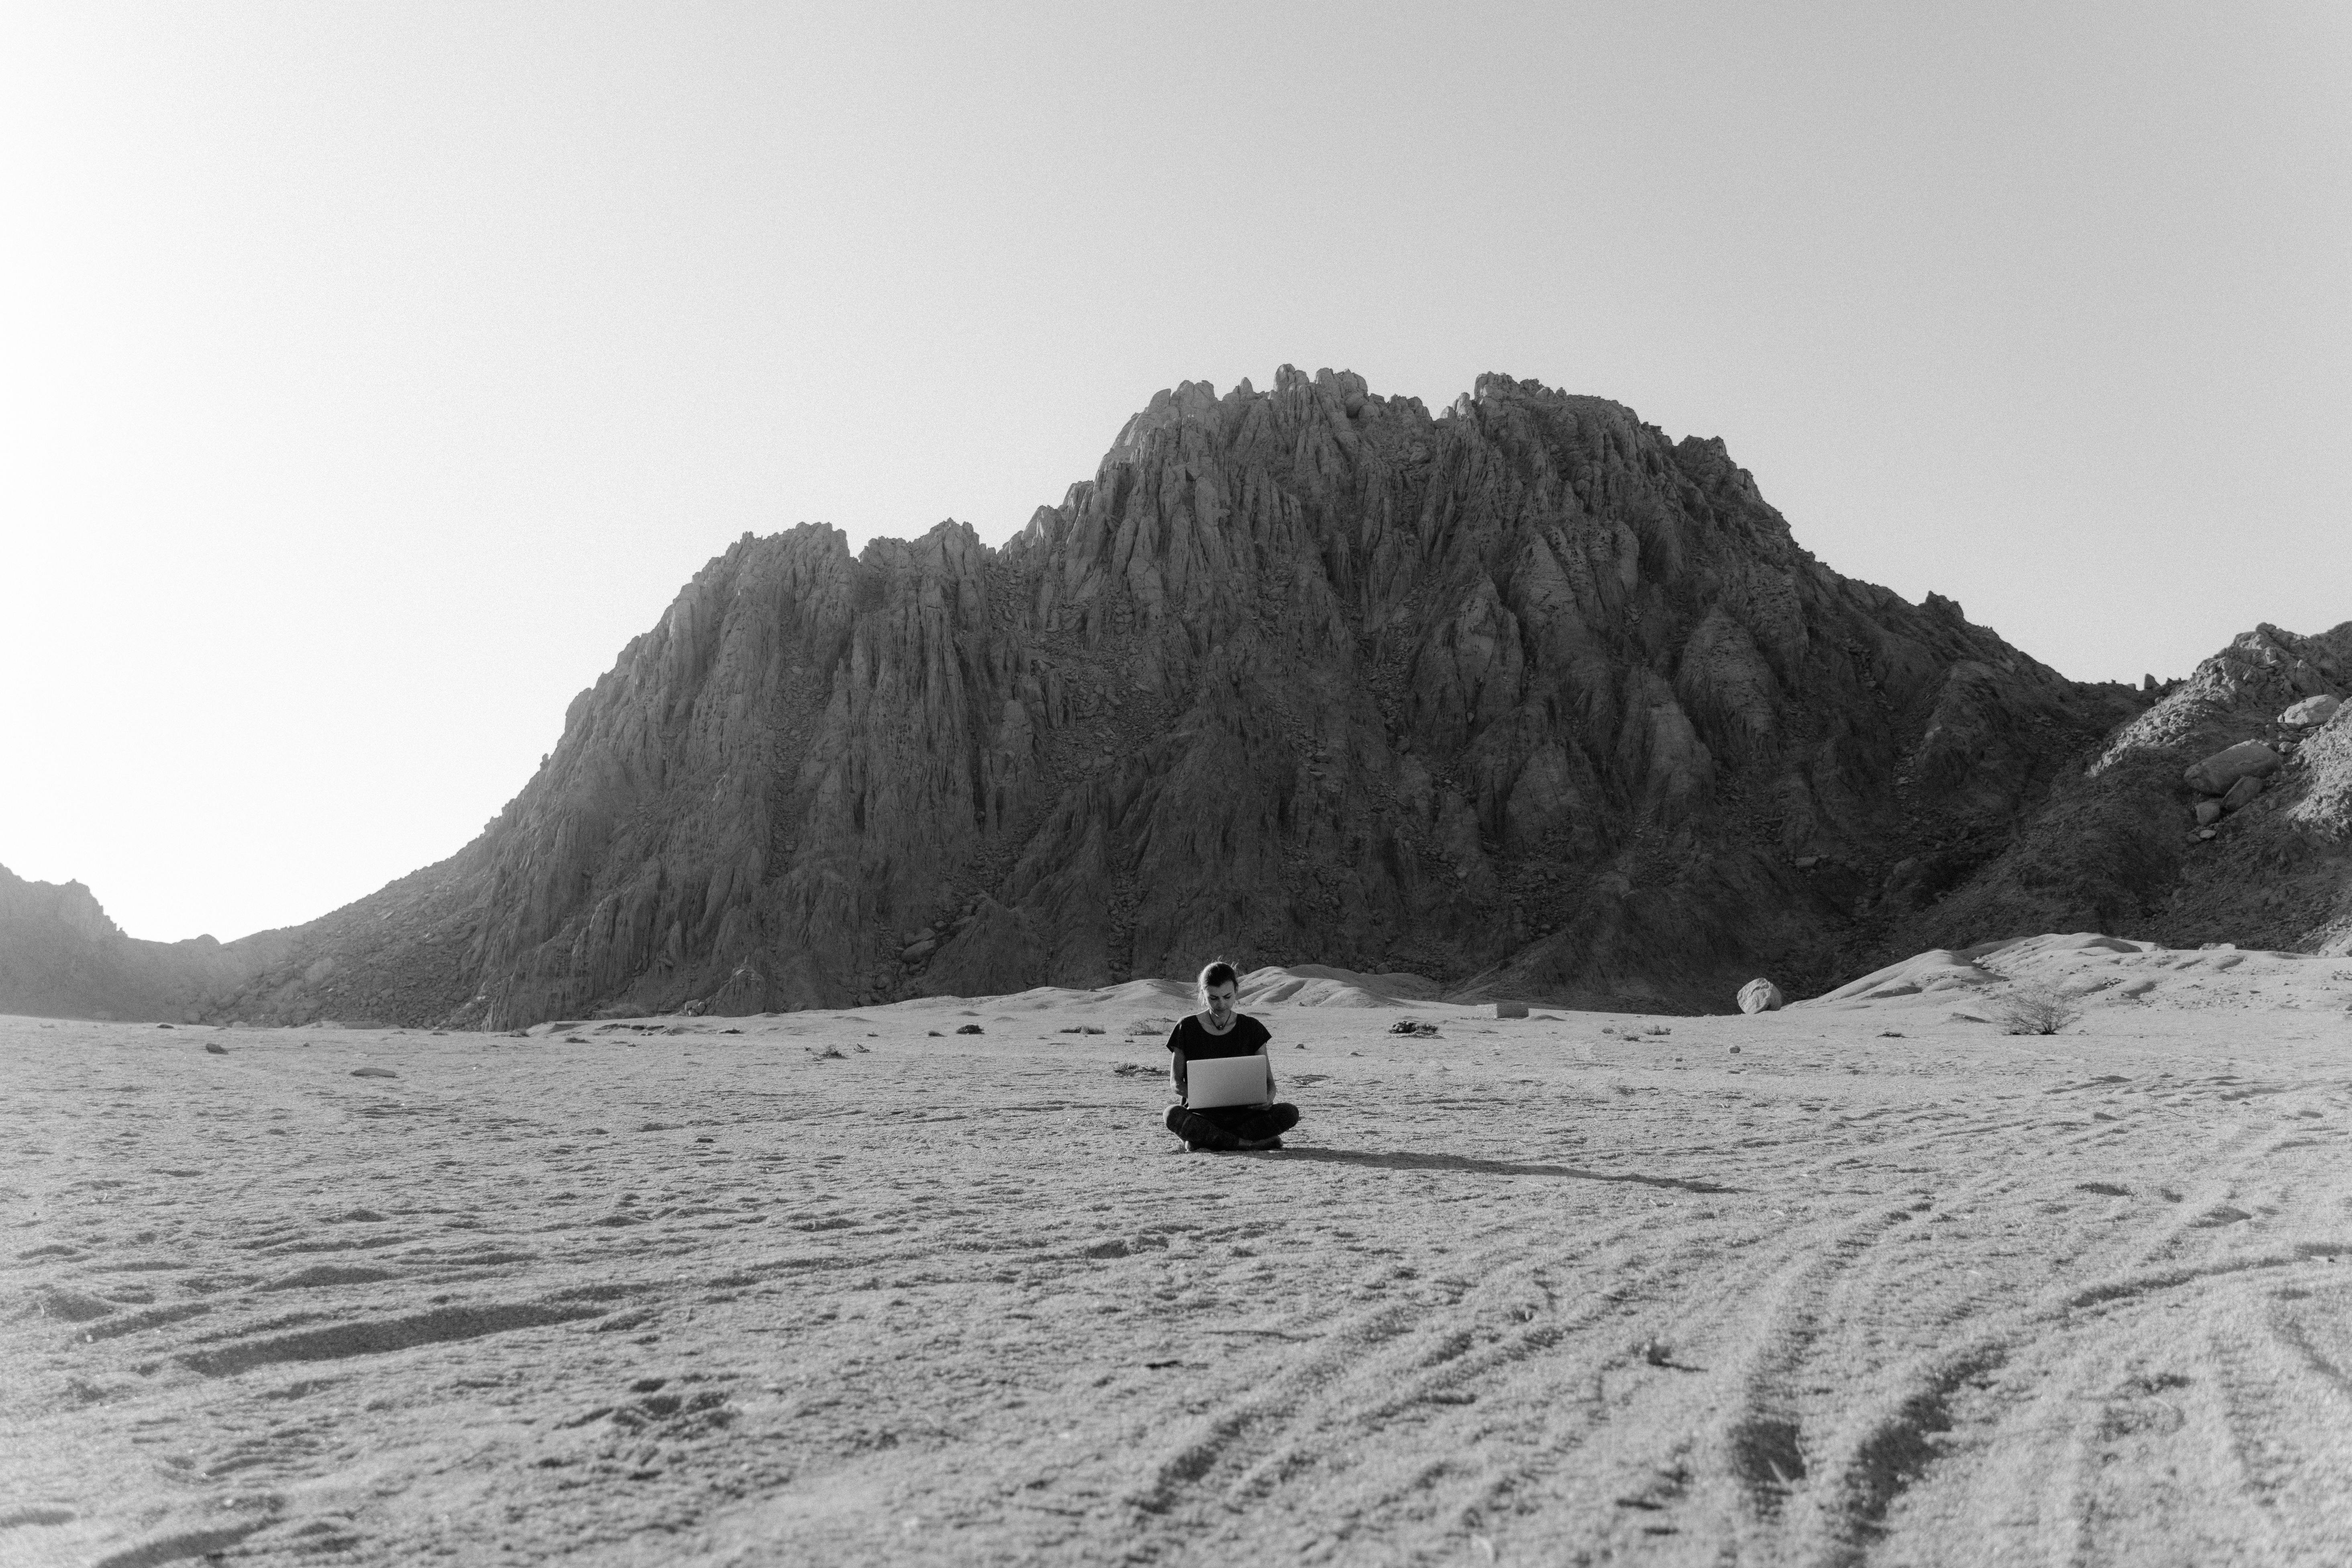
(1861, 1280)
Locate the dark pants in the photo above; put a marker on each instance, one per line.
(1227, 1126)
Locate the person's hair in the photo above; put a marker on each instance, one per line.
(1217, 973)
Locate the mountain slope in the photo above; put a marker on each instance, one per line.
(2116, 848)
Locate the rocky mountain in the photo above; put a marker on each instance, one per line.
(1521, 696)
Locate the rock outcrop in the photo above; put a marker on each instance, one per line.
(2323, 804)
(2312, 711)
(2227, 768)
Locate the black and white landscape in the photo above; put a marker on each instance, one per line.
(1792, 1070)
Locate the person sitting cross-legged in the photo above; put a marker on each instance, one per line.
(1218, 1031)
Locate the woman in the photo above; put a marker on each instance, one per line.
(1218, 1031)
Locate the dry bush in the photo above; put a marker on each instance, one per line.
(2034, 1010)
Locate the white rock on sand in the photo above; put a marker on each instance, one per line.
(1525, 1292)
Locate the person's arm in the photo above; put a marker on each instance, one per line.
(1176, 1072)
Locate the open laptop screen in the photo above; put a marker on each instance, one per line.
(1226, 1080)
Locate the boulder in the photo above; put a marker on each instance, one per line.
(2208, 812)
(2243, 791)
(1760, 997)
(2312, 711)
(2216, 773)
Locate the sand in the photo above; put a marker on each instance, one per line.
(1887, 1285)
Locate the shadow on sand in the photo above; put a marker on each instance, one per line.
(1469, 1165)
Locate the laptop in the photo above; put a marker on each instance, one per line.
(1226, 1080)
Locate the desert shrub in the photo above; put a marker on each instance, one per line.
(2034, 1010)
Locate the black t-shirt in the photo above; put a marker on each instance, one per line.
(1244, 1039)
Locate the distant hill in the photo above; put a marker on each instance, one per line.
(2116, 847)
(61, 957)
(1522, 697)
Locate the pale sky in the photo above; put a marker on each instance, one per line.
(371, 373)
